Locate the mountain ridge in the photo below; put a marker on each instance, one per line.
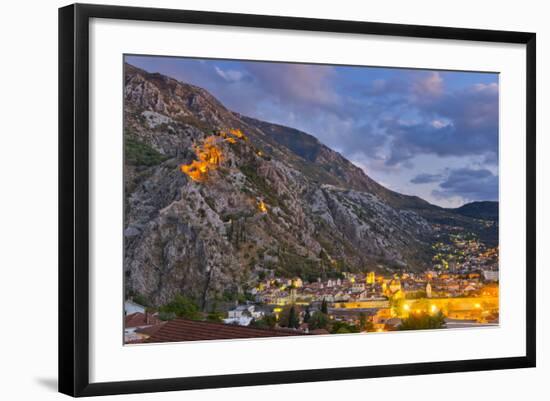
(264, 205)
(486, 210)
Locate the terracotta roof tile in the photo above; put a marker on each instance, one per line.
(191, 330)
(138, 319)
(319, 331)
(150, 330)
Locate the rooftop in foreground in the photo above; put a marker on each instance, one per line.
(192, 330)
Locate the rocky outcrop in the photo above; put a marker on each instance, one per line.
(264, 206)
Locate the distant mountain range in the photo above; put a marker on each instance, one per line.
(485, 210)
(214, 200)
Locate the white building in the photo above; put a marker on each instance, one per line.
(490, 275)
(132, 307)
(243, 315)
(297, 282)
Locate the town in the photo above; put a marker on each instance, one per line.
(461, 290)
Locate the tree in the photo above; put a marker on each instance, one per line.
(293, 321)
(318, 320)
(362, 319)
(267, 322)
(324, 306)
(288, 317)
(181, 306)
(166, 316)
(343, 327)
(422, 321)
(364, 323)
(141, 299)
(215, 316)
(307, 315)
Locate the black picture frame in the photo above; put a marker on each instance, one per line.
(74, 198)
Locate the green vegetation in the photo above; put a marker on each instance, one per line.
(236, 232)
(181, 306)
(343, 327)
(364, 323)
(233, 295)
(293, 318)
(288, 317)
(166, 315)
(318, 320)
(139, 154)
(307, 315)
(251, 173)
(215, 317)
(423, 321)
(267, 322)
(141, 299)
(324, 306)
(291, 264)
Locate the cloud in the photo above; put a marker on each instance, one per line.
(428, 86)
(388, 119)
(305, 86)
(438, 124)
(415, 113)
(455, 124)
(469, 184)
(229, 75)
(425, 178)
(385, 87)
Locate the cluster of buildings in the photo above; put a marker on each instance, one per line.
(465, 299)
(463, 286)
(461, 252)
(372, 288)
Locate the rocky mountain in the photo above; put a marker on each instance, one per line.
(485, 210)
(214, 200)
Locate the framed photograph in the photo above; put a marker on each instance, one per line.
(250, 199)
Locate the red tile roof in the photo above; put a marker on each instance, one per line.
(192, 330)
(319, 331)
(139, 319)
(135, 341)
(150, 330)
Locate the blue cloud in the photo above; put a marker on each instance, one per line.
(386, 117)
(230, 75)
(460, 123)
(469, 184)
(426, 178)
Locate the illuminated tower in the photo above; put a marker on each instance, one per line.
(395, 285)
(371, 277)
(293, 295)
(429, 290)
(385, 289)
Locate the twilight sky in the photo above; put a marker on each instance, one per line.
(420, 132)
